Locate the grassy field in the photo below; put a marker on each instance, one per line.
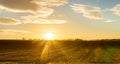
(59, 52)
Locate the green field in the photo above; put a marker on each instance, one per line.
(59, 52)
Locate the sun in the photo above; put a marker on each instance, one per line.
(49, 36)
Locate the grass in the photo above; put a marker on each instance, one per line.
(59, 52)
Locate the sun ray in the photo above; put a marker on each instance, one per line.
(45, 52)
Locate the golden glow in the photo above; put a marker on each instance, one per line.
(49, 36)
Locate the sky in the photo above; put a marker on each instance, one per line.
(66, 19)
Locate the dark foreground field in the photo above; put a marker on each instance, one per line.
(60, 52)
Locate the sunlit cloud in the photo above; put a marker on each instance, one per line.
(88, 11)
(42, 14)
(109, 20)
(44, 21)
(26, 6)
(52, 22)
(53, 2)
(116, 9)
(23, 5)
(9, 21)
(14, 31)
(33, 6)
(45, 12)
(36, 8)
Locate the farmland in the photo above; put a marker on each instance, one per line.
(59, 51)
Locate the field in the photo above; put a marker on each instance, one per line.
(59, 52)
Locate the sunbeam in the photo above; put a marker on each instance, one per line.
(44, 53)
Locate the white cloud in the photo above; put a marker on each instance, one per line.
(45, 12)
(109, 20)
(37, 8)
(26, 6)
(41, 7)
(88, 11)
(53, 2)
(13, 31)
(43, 21)
(116, 9)
(9, 21)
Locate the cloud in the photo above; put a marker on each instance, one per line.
(116, 9)
(9, 21)
(109, 20)
(36, 8)
(33, 6)
(88, 11)
(13, 31)
(20, 5)
(45, 12)
(53, 2)
(43, 21)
